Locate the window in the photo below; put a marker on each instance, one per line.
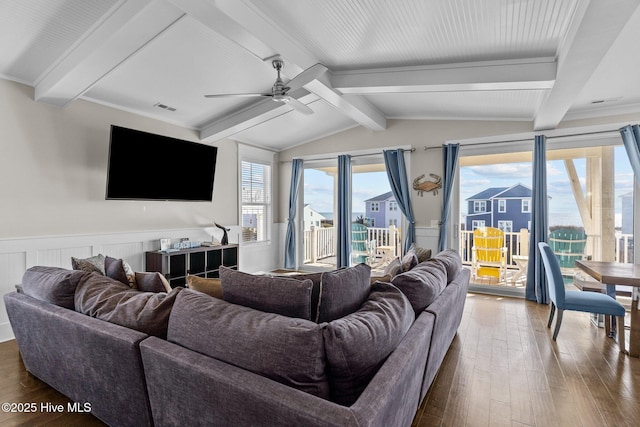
(502, 205)
(526, 205)
(506, 226)
(393, 206)
(477, 223)
(393, 222)
(256, 201)
(479, 206)
(372, 222)
(375, 206)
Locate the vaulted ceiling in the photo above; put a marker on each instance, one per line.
(353, 62)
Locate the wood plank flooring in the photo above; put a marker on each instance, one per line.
(502, 369)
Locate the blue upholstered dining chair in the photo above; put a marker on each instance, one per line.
(590, 302)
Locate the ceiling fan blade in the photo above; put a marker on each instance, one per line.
(238, 95)
(297, 105)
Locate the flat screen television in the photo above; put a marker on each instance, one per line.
(146, 166)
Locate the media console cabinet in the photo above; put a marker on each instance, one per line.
(204, 261)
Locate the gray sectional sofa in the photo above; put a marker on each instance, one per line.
(216, 362)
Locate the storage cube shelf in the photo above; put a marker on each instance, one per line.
(204, 261)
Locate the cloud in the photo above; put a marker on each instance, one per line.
(504, 170)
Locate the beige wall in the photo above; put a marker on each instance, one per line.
(53, 164)
(399, 133)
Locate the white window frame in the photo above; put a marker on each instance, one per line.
(525, 205)
(479, 206)
(393, 206)
(506, 226)
(502, 205)
(477, 223)
(375, 206)
(265, 158)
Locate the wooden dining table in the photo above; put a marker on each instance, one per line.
(615, 273)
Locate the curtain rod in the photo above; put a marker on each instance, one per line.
(411, 150)
(527, 139)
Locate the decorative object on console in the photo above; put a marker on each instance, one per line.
(165, 244)
(225, 236)
(428, 186)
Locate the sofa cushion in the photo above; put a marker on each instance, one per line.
(152, 282)
(422, 284)
(210, 286)
(422, 253)
(273, 294)
(114, 268)
(358, 344)
(393, 268)
(316, 279)
(284, 349)
(107, 299)
(52, 284)
(409, 260)
(342, 292)
(451, 261)
(90, 265)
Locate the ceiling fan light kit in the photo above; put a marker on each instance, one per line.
(278, 92)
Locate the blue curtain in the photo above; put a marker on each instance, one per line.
(397, 174)
(290, 238)
(631, 141)
(450, 160)
(344, 211)
(537, 287)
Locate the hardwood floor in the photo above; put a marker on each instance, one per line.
(502, 369)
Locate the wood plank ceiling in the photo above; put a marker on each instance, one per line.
(356, 62)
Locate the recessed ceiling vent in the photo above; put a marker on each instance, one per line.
(606, 100)
(164, 106)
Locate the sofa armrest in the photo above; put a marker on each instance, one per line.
(86, 359)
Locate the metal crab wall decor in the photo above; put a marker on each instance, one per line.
(428, 186)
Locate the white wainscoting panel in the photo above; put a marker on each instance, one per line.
(427, 237)
(16, 255)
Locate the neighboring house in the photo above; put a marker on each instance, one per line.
(506, 208)
(382, 211)
(312, 218)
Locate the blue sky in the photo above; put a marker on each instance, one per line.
(562, 207)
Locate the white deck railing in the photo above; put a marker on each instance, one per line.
(320, 243)
(517, 243)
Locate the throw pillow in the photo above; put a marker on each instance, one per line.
(114, 268)
(316, 279)
(284, 349)
(422, 284)
(358, 344)
(212, 287)
(52, 284)
(342, 292)
(273, 294)
(409, 260)
(91, 264)
(393, 268)
(385, 279)
(152, 282)
(109, 300)
(422, 253)
(452, 262)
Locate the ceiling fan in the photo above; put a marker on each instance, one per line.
(278, 92)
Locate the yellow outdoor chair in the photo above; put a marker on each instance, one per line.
(489, 254)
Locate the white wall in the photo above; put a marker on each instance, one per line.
(53, 165)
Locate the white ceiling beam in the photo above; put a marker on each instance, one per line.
(126, 28)
(355, 107)
(595, 27)
(536, 73)
(244, 25)
(251, 116)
